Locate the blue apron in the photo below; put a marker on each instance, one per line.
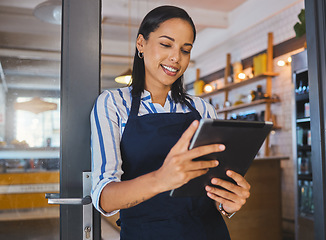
(145, 143)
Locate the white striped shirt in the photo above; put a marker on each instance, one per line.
(108, 120)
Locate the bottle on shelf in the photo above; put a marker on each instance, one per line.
(304, 163)
(307, 109)
(306, 205)
(302, 87)
(311, 202)
(309, 137)
(252, 96)
(299, 136)
(259, 92)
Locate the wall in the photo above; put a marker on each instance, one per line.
(246, 44)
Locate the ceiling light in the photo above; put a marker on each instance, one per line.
(36, 105)
(124, 78)
(49, 11)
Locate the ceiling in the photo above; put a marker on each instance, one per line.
(30, 48)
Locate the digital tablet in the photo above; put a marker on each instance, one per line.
(242, 140)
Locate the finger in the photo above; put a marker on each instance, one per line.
(217, 198)
(184, 141)
(222, 193)
(198, 165)
(196, 173)
(227, 204)
(204, 150)
(191, 175)
(231, 187)
(240, 180)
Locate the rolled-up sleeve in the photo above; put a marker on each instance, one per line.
(105, 147)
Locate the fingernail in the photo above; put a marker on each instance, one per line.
(208, 188)
(194, 123)
(229, 173)
(221, 147)
(214, 181)
(217, 163)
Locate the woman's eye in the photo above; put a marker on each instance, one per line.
(165, 45)
(185, 51)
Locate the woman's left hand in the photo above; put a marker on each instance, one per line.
(235, 197)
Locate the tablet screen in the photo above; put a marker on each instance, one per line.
(242, 140)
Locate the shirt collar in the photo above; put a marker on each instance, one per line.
(146, 96)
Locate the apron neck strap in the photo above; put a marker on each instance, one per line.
(135, 105)
(189, 105)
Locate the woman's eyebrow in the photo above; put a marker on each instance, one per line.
(173, 40)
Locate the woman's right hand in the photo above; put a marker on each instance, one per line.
(178, 167)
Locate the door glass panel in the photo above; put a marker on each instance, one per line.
(29, 122)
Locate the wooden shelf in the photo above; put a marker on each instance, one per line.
(267, 76)
(245, 105)
(240, 84)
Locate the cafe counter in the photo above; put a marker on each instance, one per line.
(261, 216)
(26, 174)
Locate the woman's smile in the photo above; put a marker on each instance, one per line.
(171, 71)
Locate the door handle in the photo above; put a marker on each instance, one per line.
(54, 198)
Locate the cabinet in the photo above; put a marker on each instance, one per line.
(267, 76)
(26, 174)
(304, 206)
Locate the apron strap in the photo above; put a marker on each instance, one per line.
(135, 105)
(191, 107)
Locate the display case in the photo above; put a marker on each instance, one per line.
(26, 174)
(304, 206)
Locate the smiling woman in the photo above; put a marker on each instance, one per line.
(140, 139)
(166, 56)
(161, 33)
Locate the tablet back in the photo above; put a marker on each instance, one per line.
(242, 140)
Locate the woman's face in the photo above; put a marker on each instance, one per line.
(166, 53)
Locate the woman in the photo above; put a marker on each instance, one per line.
(140, 139)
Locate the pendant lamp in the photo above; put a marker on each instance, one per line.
(49, 11)
(125, 78)
(35, 105)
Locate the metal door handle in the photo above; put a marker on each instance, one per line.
(54, 198)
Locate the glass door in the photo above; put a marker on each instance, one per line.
(29, 122)
(45, 101)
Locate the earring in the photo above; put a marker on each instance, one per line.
(140, 55)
